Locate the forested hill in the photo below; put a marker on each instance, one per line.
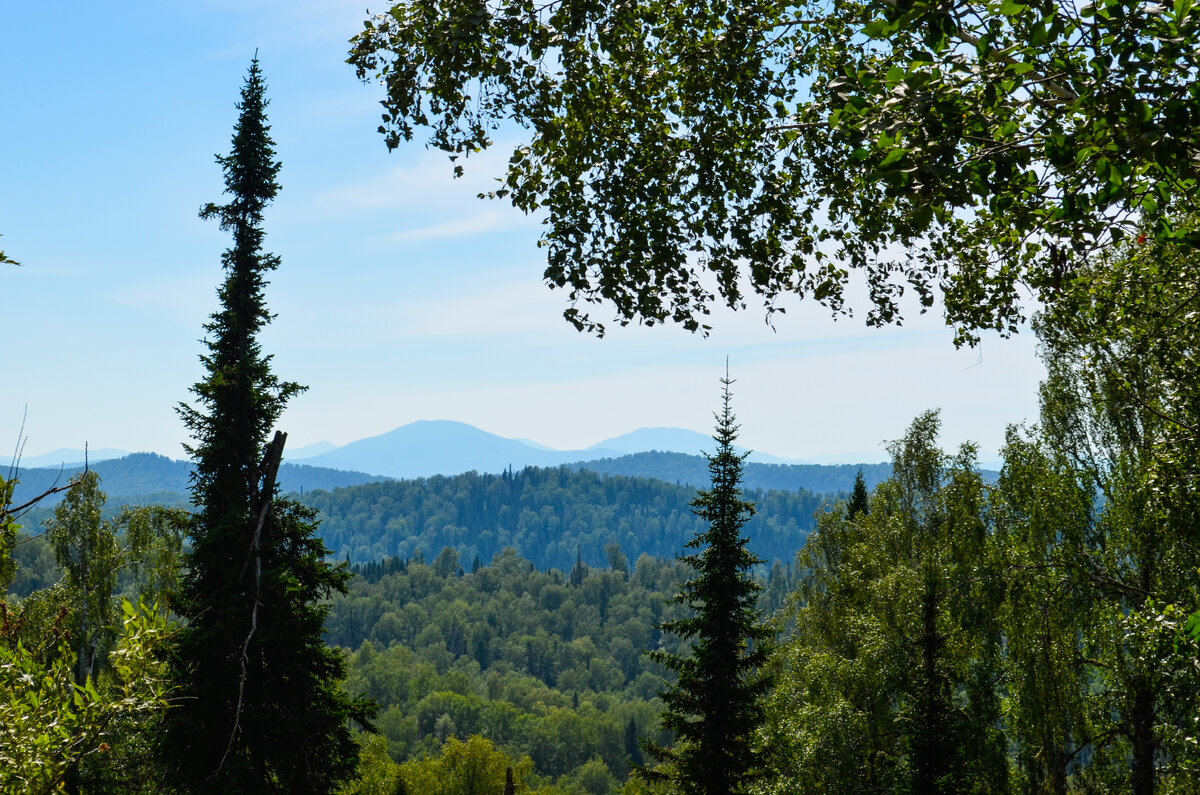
(692, 470)
(547, 515)
(142, 475)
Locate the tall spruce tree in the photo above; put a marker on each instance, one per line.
(260, 705)
(715, 705)
(860, 501)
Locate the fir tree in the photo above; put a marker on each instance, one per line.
(633, 749)
(579, 570)
(260, 706)
(859, 502)
(716, 704)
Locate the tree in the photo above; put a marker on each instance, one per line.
(1121, 405)
(715, 706)
(91, 553)
(1041, 512)
(859, 500)
(692, 155)
(474, 767)
(9, 514)
(579, 570)
(377, 773)
(260, 704)
(886, 678)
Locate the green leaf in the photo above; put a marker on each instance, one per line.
(879, 29)
(1192, 627)
(896, 154)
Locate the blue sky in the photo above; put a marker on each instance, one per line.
(401, 296)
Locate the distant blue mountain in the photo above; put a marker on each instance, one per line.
(69, 457)
(672, 440)
(147, 475)
(308, 451)
(444, 447)
(666, 440)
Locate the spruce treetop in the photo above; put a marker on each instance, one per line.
(241, 398)
(716, 704)
(250, 168)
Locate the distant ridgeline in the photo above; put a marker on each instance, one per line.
(547, 515)
(139, 476)
(692, 470)
(641, 502)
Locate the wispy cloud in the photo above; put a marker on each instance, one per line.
(459, 227)
(425, 182)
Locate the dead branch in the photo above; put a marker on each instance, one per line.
(268, 471)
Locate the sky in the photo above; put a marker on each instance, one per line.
(401, 295)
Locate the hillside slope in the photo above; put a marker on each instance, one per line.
(548, 515)
(141, 475)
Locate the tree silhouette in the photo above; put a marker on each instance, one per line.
(716, 704)
(260, 708)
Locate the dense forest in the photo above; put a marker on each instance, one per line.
(544, 664)
(550, 516)
(691, 470)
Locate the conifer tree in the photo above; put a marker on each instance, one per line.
(715, 706)
(859, 500)
(260, 707)
(579, 570)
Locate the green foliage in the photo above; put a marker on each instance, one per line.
(260, 704)
(886, 678)
(512, 654)
(1042, 512)
(92, 552)
(715, 707)
(473, 767)
(859, 500)
(34, 563)
(687, 154)
(549, 515)
(8, 532)
(1028, 636)
(1120, 403)
(377, 773)
(49, 724)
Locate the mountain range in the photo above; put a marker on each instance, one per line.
(149, 477)
(427, 448)
(446, 447)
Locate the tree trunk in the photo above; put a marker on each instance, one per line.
(1142, 724)
(929, 764)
